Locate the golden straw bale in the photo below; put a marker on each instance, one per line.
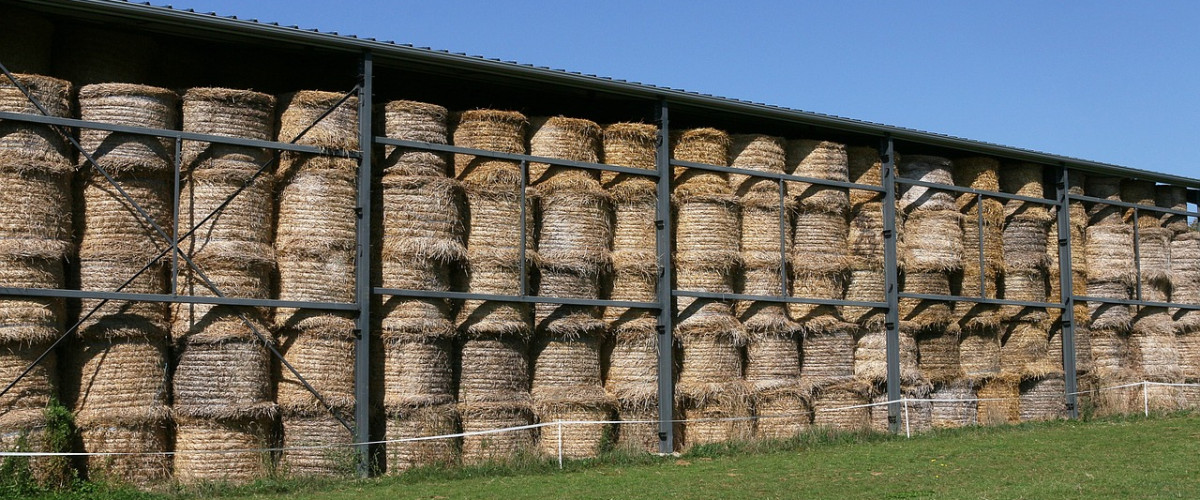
(573, 404)
(415, 121)
(229, 113)
(708, 364)
(1141, 193)
(1109, 316)
(108, 275)
(783, 412)
(764, 238)
(761, 316)
(418, 372)
(494, 317)
(30, 319)
(223, 379)
(26, 41)
(1027, 285)
(700, 145)
(1043, 399)
(629, 144)
(922, 313)
(494, 370)
(575, 228)
(953, 405)
(421, 421)
(831, 407)
(762, 153)
(39, 386)
(568, 139)
(562, 362)
(773, 359)
(865, 285)
(113, 228)
(316, 210)
(243, 226)
(31, 145)
(315, 443)
(34, 430)
(123, 375)
(1026, 341)
(130, 105)
(932, 240)
(706, 416)
(632, 369)
(639, 428)
(1185, 268)
(322, 358)
(975, 316)
(1025, 243)
(1024, 179)
(1109, 253)
(706, 230)
(1109, 352)
(222, 449)
(864, 167)
(633, 284)
(979, 352)
(816, 285)
(1109, 188)
(129, 447)
(821, 242)
(484, 448)
(821, 160)
(1174, 198)
(993, 246)
(1153, 353)
(301, 110)
(423, 217)
(568, 320)
(35, 213)
(938, 355)
(313, 279)
(501, 131)
(494, 225)
(976, 172)
(866, 235)
(1154, 261)
(634, 234)
(1188, 345)
(999, 401)
(870, 356)
(827, 357)
(933, 169)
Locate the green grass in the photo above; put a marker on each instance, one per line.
(1106, 458)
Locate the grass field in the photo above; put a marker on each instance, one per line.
(1131, 457)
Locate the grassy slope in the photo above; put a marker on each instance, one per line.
(1132, 458)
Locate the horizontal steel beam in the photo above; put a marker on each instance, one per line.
(175, 299)
(1119, 203)
(980, 300)
(1143, 303)
(445, 148)
(775, 175)
(524, 299)
(776, 298)
(963, 189)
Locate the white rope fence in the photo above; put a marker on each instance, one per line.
(1144, 385)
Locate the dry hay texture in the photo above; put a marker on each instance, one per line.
(706, 232)
(1185, 266)
(113, 228)
(949, 413)
(35, 212)
(1025, 243)
(1109, 188)
(36, 388)
(1141, 193)
(199, 443)
(577, 440)
(816, 285)
(492, 130)
(564, 138)
(820, 242)
(322, 358)
(423, 217)
(29, 146)
(144, 440)
(827, 358)
(26, 430)
(1105, 316)
(421, 122)
(222, 378)
(123, 376)
(1153, 351)
(721, 417)
(632, 368)
(575, 229)
(568, 320)
(494, 370)
(870, 356)
(915, 415)
(922, 313)
(1154, 263)
(709, 368)
(932, 241)
(979, 353)
(1042, 399)
(629, 144)
(30, 319)
(999, 401)
(1024, 179)
(831, 407)
(421, 421)
(130, 105)
(864, 167)
(773, 360)
(1109, 353)
(1174, 198)
(1109, 253)
(865, 285)
(565, 363)
(938, 355)
(764, 237)
(992, 232)
(866, 235)
(762, 153)
(1026, 346)
(635, 433)
(783, 412)
(325, 434)
(230, 113)
(701, 145)
(495, 446)
(932, 169)
(418, 372)
(821, 160)
(634, 284)
(339, 129)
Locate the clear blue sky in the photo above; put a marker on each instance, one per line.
(1111, 81)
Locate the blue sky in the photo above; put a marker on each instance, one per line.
(1111, 81)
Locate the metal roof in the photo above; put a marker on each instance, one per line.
(200, 23)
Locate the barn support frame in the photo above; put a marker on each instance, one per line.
(362, 269)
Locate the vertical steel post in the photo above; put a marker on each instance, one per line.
(175, 251)
(362, 351)
(666, 323)
(891, 281)
(1066, 284)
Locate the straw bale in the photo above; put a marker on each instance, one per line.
(35, 213)
(1025, 343)
(243, 226)
(633, 284)
(1108, 188)
(816, 285)
(1024, 179)
(915, 415)
(783, 412)
(761, 229)
(421, 421)
(26, 40)
(1083, 346)
(30, 319)
(319, 429)
(497, 446)
(979, 353)
(932, 240)
(976, 172)
(634, 433)
(236, 276)
(482, 318)
(229, 113)
(827, 358)
(706, 230)
(575, 228)
(1175, 198)
(768, 317)
(870, 356)
(568, 139)
(130, 105)
(113, 228)
(339, 129)
(1153, 353)
(926, 314)
(1154, 260)
(1188, 345)
(928, 169)
(773, 360)
(707, 366)
(1043, 399)
(864, 167)
(326, 279)
(1122, 401)
(629, 144)
(951, 414)
(574, 404)
(561, 363)
(492, 130)
(701, 145)
(317, 212)
(830, 407)
(143, 439)
(1109, 253)
(568, 320)
(32, 146)
(993, 250)
(199, 441)
(494, 227)
(422, 217)
(1027, 284)
(974, 316)
(1109, 352)
(222, 379)
(821, 242)
(632, 369)
(415, 121)
(1109, 316)
(758, 152)
(1005, 411)
(1025, 243)
(705, 424)
(821, 160)
(418, 372)
(494, 370)
(938, 355)
(634, 232)
(1189, 397)
(1161, 398)
(124, 375)
(409, 317)
(865, 285)
(866, 234)
(324, 361)
(1141, 193)
(35, 389)
(106, 275)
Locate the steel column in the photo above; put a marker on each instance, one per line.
(1067, 294)
(891, 281)
(666, 312)
(362, 264)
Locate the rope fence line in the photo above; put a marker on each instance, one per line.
(1144, 385)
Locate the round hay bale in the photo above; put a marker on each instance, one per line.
(137, 445)
(993, 247)
(118, 376)
(772, 360)
(568, 320)
(329, 454)
(1109, 316)
(1174, 198)
(1109, 350)
(1139, 192)
(634, 284)
(700, 145)
(30, 319)
(831, 407)
(924, 314)
(338, 129)
(1043, 399)
(707, 420)
(107, 275)
(759, 317)
(565, 362)
(828, 357)
(634, 433)
(415, 121)
(820, 243)
(632, 370)
(1109, 188)
(230, 113)
(209, 450)
(865, 285)
(577, 440)
(1083, 346)
(494, 226)
(568, 139)
(1153, 353)
(489, 129)
(706, 230)
(783, 412)
(1154, 260)
(761, 230)
(864, 167)
(131, 105)
(26, 40)
(1109, 253)
(821, 160)
(246, 277)
(322, 360)
(1025, 179)
(486, 318)
(870, 356)
(634, 234)
(112, 228)
(423, 217)
(979, 353)
(1000, 401)
(1026, 341)
(242, 228)
(328, 278)
(421, 421)
(1025, 243)
(29, 430)
(35, 146)
(932, 240)
(498, 446)
(494, 370)
(762, 153)
(976, 172)
(418, 372)
(957, 408)
(707, 317)
(35, 213)
(816, 285)
(409, 318)
(222, 379)
(928, 169)
(494, 177)
(35, 389)
(1188, 346)
(915, 415)
(974, 316)
(629, 144)
(938, 355)
(866, 235)
(707, 365)
(575, 228)
(317, 211)
(1027, 284)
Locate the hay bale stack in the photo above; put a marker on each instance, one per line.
(33, 146)
(131, 105)
(979, 352)
(933, 169)
(1139, 192)
(406, 422)
(999, 401)
(1043, 398)
(1153, 352)
(922, 314)
(1174, 198)
(831, 407)
(827, 357)
(864, 167)
(330, 454)
(1108, 188)
(423, 219)
(783, 412)
(720, 418)
(773, 359)
(820, 160)
(100, 55)
(210, 449)
(1025, 345)
(1104, 316)
(1024, 179)
(956, 407)
(866, 235)
(632, 382)
(26, 40)
(1109, 353)
(37, 430)
(568, 139)
(39, 386)
(983, 174)
(700, 145)
(1154, 263)
(820, 246)
(870, 356)
(230, 113)
(493, 392)
(938, 355)
(761, 153)
(415, 121)
(1185, 267)
(142, 437)
(932, 241)
(865, 285)
(498, 446)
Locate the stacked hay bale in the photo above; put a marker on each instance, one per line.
(494, 382)
(706, 256)
(223, 396)
(117, 373)
(979, 346)
(573, 241)
(35, 237)
(632, 379)
(422, 237)
(1185, 270)
(773, 346)
(315, 244)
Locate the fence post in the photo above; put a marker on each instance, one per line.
(560, 450)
